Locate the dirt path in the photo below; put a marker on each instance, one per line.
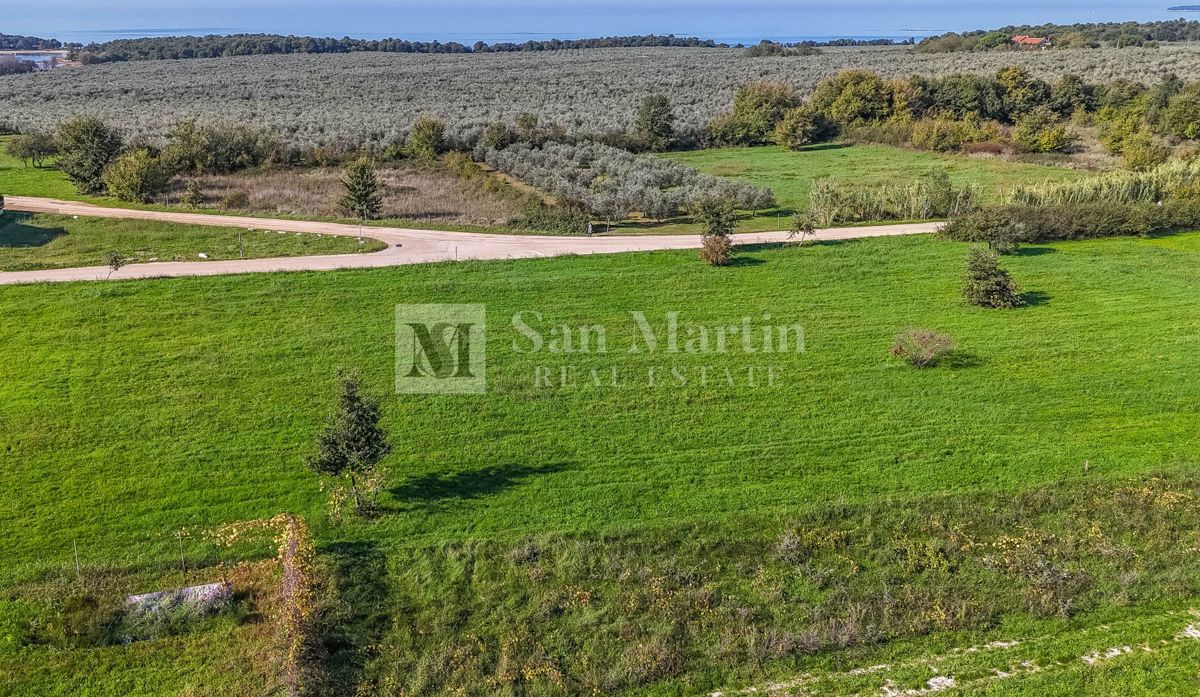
(405, 246)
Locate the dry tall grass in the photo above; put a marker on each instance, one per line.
(1150, 186)
(409, 193)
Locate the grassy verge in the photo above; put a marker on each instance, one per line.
(43, 241)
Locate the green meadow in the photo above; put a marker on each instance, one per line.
(586, 527)
(790, 173)
(42, 241)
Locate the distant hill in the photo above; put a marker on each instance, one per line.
(14, 42)
(177, 47)
(1184, 8)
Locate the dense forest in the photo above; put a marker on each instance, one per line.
(175, 47)
(14, 42)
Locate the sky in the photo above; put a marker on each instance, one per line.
(496, 20)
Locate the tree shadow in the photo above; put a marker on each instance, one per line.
(472, 484)
(361, 616)
(759, 247)
(959, 360)
(15, 233)
(818, 147)
(1035, 251)
(1035, 298)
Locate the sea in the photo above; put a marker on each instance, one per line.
(492, 21)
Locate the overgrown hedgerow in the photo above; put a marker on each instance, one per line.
(1072, 221)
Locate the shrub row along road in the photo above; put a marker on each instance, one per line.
(405, 246)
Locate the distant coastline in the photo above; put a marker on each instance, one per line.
(1184, 8)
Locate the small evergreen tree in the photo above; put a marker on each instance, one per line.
(193, 194)
(718, 220)
(988, 285)
(656, 122)
(362, 198)
(353, 442)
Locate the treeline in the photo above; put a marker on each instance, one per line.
(1010, 110)
(15, 42)
(1089, 35)
(769, 49)
(183, 47)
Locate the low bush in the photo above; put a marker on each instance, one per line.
(136, 176)
(235, 200)
(1041, 130)
(716, 250)
(921, 348)
(569, 219)
(933, 196)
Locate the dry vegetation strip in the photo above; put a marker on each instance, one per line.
(409, 193)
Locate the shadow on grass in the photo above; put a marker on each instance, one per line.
(761, 247)
(14, 233)
(959, 360)
(361, 614)
(467, 485)
(825, 146)
(1035, 298)
(1035, 251)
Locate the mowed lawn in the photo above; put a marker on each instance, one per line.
(21, 179)
(790, 174)
(43, 241)
(133, 409)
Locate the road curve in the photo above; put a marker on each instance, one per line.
(404, 245)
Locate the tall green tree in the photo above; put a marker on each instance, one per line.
(757, 108)
(87, 146)
(362, 198)
(353, 442)
(427, 138)
(656, 122)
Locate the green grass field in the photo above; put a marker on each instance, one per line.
(17, 179)
(172, 379)
(790, 174)
(191, 402)
(50, 241)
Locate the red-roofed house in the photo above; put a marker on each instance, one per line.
(1022, 41)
